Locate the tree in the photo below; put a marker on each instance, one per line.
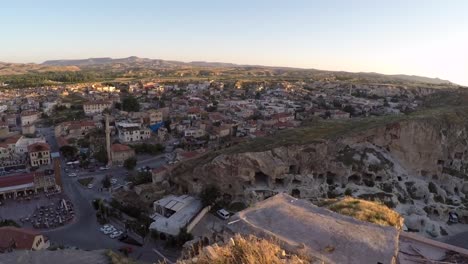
(83, 143)
(210, 195)
(106, 183)
(130, 104)
(130, 163)
(69, 152)
(101, 155)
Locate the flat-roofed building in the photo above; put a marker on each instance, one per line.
(96, 107)
(174, 212)
(132, 132)
(21, 184)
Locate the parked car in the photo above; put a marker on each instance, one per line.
(109, 230)
(72, 175)
(90, 186)
(113, 181)
(105, 227)
(116, 234)
(223, 214)
(103, 168)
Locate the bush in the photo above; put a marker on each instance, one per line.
(8, 222)
(249, 250)
(144, 148)
(366, 211)
(348, 192)
(130, 163)
(210, 195)
(106, 183)
(141, 178)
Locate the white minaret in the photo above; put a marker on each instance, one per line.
(108, 145)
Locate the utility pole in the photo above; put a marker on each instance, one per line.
(108, 145)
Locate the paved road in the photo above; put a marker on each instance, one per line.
(84, 231)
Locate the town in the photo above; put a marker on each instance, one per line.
(68, 148)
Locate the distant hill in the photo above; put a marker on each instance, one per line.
(23, 68)
(222, 69)
(137, 68)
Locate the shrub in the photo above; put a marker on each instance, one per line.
(249, 250)
(348, 192)
(366, 211)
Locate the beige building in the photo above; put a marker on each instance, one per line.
(120, 153)
(155, 116)
(4, 129)
(29, 117)
(74, 129)
(28, 129)
(39, 154)
(96, 107)
(13, 238)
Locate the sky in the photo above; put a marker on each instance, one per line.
(428, 38)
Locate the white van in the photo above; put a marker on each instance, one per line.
(223, 214)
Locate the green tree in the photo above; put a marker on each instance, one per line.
(101, 155)
(106, 183)
(8, 222)
(69, 151)
(210, 195)
(130, 163)
(130, 104)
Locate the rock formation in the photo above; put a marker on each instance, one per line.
(418, 166)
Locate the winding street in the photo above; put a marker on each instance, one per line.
(84, 232)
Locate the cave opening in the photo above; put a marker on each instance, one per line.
(330, 177)
(356, 179)
(296, 193)
(261, 178)
(399, 178)
(279, 182)
(293, 169)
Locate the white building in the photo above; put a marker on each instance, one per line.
(132, 132)
(194, 132)
(96, 107)
(174, 212)
(21, 146)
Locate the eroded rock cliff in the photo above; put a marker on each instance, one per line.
(417, 165)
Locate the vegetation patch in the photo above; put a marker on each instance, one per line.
(86, 181)
(365, 211)
(116, 258)
(247, 250)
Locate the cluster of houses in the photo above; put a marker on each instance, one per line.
(189, 118)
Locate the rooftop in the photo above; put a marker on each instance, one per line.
(23, 238)
(120, 148)
(38, 147)
(185, 208)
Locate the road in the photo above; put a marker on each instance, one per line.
(84, 231)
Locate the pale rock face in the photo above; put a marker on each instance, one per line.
(418, 167)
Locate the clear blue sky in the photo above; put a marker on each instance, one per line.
(419, 37)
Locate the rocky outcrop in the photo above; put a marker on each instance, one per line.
(416, 166)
